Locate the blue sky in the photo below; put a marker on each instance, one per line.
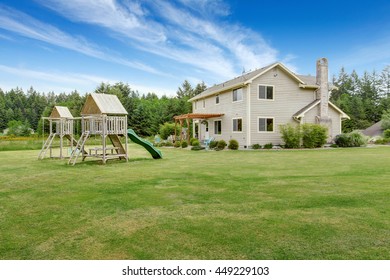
(154, 45)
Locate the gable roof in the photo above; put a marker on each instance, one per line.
(247, 78)
(99, 103)
(61, 112)
(374, 130)
(301, 113)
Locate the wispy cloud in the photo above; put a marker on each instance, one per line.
(59, 77)
(370, 54)
(127, 18)
(208, 8)
(24, 25)
(182, 31)
(59, 81)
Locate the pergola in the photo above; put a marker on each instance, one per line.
(188, 117)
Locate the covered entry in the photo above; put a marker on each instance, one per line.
(187, 117)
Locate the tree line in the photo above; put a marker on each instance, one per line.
(364, 98)
(146, 111)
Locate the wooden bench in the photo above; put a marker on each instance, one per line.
(93, 152)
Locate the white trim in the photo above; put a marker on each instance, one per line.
(242, 125)
(265, 99)
(249, 81)
(275, 65)
(242, 95)
(218, 120)
(273, 124)
(248, 117)
(344, 115)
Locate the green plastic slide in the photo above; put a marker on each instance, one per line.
(156, 154)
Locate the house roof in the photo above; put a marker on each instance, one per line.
(374, 130)
(247, 78)
(197, 116)
(98, 103)
(61, 112)
(301, 113)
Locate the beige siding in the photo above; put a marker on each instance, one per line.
(336, 122)
(311, 116)
(335, 126)
(288, 99)
(230, 110)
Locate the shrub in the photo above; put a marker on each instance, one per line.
(233, 144)
(256, 146)
(213, 144)
(163, 144)
(383, 141)
(386, 133)
(166, 129)
(268, 146)
(221, 145)
(291, 135)
(197, 148)
(184, 144)
(192, 141)
(195, 143)
(177, 144)
(352, 139)
(314, 135)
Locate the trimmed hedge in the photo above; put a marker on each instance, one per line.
(256, 146)
(221, 145)
(314, 135)
(233, 144)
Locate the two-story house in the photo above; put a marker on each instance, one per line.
(250, 108)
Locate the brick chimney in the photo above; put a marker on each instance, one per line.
(323, 91)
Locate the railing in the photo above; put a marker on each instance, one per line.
(105, 124)
(64, 126)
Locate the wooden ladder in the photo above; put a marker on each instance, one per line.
(46, 146)
(79, 148)
(116, 142)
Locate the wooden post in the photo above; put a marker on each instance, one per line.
(181, 130)
(104, 134)
(188, 131)
(174, 140)
(125, 128)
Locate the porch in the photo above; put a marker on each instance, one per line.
(187, 118)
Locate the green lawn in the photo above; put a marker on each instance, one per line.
(286, 204)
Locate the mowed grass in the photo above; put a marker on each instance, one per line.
(287, 204)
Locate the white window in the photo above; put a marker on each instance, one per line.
(218, 127)
(266, 124)
(237, 125)
(266, 92)
(237, 95)
(195, 105)
(217, 99)
(204, 103)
